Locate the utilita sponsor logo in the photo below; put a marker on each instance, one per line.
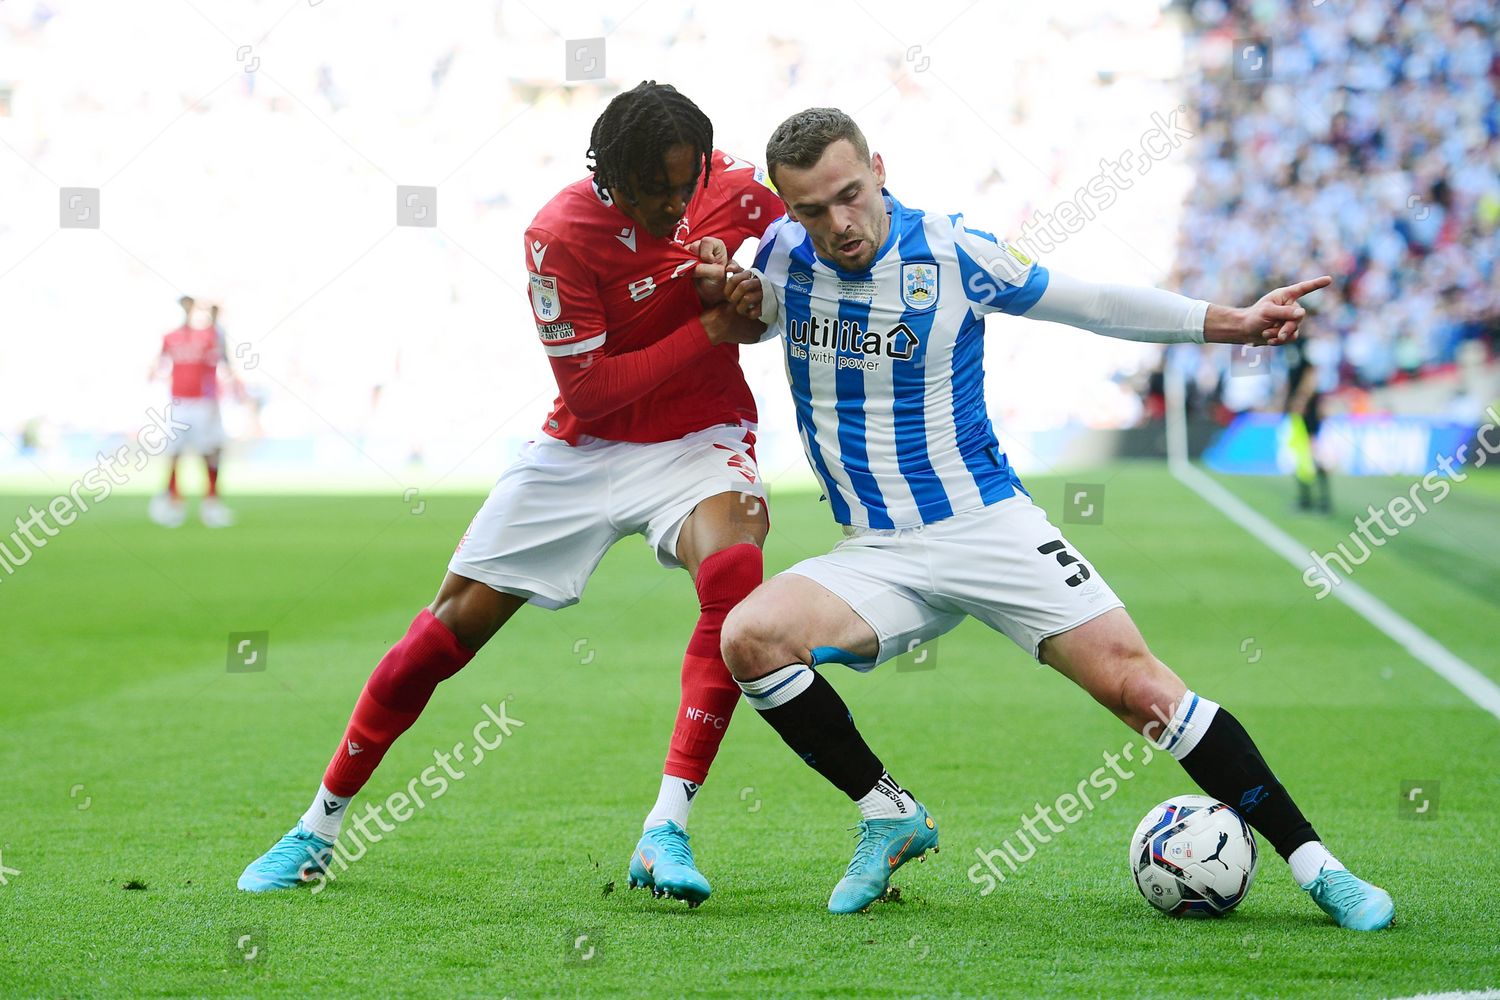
(848, 336)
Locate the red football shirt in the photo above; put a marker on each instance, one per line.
(195, 354)
(617, 310)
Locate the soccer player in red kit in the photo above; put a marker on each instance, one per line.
(652, 434)
(194, 354)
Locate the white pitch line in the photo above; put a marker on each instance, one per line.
(1479, 688)
(1468, 995)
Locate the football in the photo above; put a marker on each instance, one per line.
(1193, 856)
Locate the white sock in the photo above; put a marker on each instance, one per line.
(887, 800)
(325, 816)
(673, 802)
(778, 687)
(1190, 720)
(1309, 859)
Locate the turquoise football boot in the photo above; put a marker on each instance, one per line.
(299, 857)
(663, 863)
(884, 845)
(1351, 901)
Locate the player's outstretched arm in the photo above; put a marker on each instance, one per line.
(1273, 320)
(1125, 312)
(1155, 315)
(1005, 279)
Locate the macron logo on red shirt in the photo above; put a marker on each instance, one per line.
(538, 251)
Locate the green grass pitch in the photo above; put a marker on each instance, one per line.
(140, 775)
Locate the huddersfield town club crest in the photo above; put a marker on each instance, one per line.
(919, 285)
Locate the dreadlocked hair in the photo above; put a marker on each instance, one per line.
(630, 140)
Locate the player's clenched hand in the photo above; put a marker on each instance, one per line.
(1272, 321)
(713, 267)
(709, 250)
(725, 326)
(744, 292)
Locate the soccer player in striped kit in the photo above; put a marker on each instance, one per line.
(881, 312)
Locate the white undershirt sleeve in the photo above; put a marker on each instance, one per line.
(770, 306)
(1128, 312)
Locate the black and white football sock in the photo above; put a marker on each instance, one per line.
(325, 816)
(887, 800)
(813, 720)
(1217, 753)
(673, 802)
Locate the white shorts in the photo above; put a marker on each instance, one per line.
(1005, 564)
(204, 434)
(551, 516)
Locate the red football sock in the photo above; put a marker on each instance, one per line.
(709, 693)
(172, 480)
(393, 697)
(213, 479)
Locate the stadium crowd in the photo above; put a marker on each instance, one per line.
(260, 175)
(1360, 139)
(1372, 153)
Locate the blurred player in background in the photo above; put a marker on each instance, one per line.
(1304, 411)
(652, 434)
(882, 311)
(194, 354)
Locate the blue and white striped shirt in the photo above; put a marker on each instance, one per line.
(886, 366)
